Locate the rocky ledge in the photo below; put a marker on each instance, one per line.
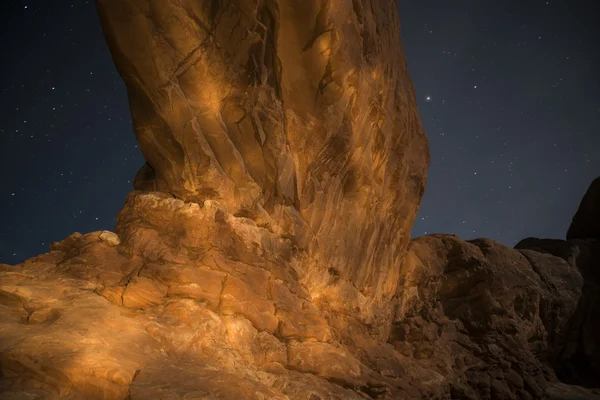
(188, 301)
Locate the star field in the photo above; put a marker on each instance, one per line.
(509, 95)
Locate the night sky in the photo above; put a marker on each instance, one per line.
(509, 93)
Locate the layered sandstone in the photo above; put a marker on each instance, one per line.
(190, 301)
(265, 252)
(296, 114)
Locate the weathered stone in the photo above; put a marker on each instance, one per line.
(185, 327)
(239, 298)
(113, 294)
(195, 379)
(517, 308)
(143, 293)
(586, 222)
(110, 238)
(473, 320)
(299, 319)
(573, 281)
(186, 281)
(324, 360)
(87, 348)
(266, 106)
(270, 349)
(265, 253)
(560, 391)
(43, 315)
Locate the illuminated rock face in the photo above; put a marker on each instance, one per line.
(302, 111)
(191, 300)
(264, 253)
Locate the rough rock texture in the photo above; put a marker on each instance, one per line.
(294, 113)
(501, 322)
(586, 222)
(265, 254)
(576, 348)
(190, 301)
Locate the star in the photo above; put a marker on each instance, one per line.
(428, 98)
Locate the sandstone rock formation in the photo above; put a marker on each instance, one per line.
(294, 113)
(265, 252)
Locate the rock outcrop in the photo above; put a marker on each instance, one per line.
(575, 348)
(188, 300)
(265, 252)
(497, 322)
(294, 113)
(586, 222)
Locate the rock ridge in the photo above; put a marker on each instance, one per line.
(190, 300)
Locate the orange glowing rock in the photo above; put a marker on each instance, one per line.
(265, 252)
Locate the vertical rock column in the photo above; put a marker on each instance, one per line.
(298, 113)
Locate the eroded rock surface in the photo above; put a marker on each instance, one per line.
(498, 322)
(265, 253)
(576, 348)
(191, 300)
(188, 300)
(293, 113)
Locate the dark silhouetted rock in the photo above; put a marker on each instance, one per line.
(480, 315)
(586, 222)
(185, 291)
(575, 347)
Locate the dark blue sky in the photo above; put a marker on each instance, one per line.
(509, 93)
